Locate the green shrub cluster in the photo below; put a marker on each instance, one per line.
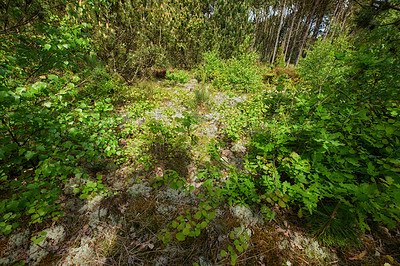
(177, 76)
(237, 73)
(48, 134)
(337, 143)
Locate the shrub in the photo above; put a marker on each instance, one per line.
(321, 64)
(241, 73)
(337, 144)
(177, 76)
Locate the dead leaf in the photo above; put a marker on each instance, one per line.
(285, 232)
(359, 256)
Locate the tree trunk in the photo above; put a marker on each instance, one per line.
(294, 40)
(333, 20)
(309, 20)
(290, 34)
(279, 32)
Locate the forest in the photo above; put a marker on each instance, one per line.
(205, 132)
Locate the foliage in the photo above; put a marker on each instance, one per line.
(340, 142)
(241, 73)
(323, 63)
(193, 221)
(138, 36)
(99, 83)
(202, 95)
(48, 134)
(240, 238)
(178, 76)
(231, 28)
(44, 139)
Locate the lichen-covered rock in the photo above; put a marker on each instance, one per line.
(19, 239)
(161, 261)
(53, 236)
(95, 217)
(138, 190)
(190, 85)
(15, 243)
(174, 196)
(166, 210)
(91, 205)
(246, 215)
(82, 255)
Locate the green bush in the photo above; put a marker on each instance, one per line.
(45, 137)
(323, 63)
(240, 74)
(339, 143)
(177, 76)
(47, 133)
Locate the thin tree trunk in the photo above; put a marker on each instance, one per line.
(333, 20)
(321, 14)
(279, 32)
(289, 35)
(346, 15)
(294, 40)
(309, 20)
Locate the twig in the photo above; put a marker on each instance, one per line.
(333, 215)
(10, 132)
(326, 78)
(276, 182)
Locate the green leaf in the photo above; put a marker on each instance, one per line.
(52, 77)
(223, 253)
(13, 205)
(231, 250)
(389, 130)
(180, 236)
(185, 231)
(204, 224)
(181, 226)
(174, 224)
(239, 248)
(42, 212)
(47, 46)
(7, 215)
(281, 203)
(38, 240)
(233, 258)
(29, 155)
(198, 215)
(91, 184)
